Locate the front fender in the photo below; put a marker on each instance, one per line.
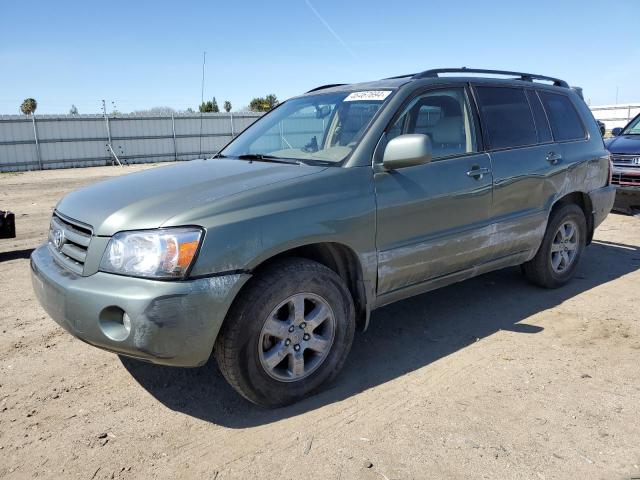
(336, 205)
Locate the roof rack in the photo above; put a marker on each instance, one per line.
(322, 87)
(400, 76)
(528, 77)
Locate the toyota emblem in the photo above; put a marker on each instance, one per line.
(58, 238)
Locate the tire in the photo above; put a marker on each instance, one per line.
(541, 269)
(247, 348)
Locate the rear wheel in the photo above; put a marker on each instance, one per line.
(289, 332)
(561, 248)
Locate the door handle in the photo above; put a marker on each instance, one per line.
(554, 158)
(478, 172)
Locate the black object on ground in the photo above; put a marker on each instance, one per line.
(7, 225)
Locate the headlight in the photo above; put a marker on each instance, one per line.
(162, 253)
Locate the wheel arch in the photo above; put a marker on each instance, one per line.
(583, 200)
(340, 258)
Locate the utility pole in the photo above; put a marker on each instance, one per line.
(106, 119)
(204, 61)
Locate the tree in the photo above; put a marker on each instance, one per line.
(156, 112)
(29, 106)
(227, 106)
(206, 107)
(215, 105)
(209, 106)
(263, 104)
(272, 100)
(73, 110)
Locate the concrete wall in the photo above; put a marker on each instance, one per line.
(64, 141)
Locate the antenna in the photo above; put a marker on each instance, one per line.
(204, 61)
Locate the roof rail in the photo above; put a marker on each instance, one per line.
(322, 87)
(528, 77)
(400, 76)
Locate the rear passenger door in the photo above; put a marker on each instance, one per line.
(525, 162)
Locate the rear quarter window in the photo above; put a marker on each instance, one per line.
(508, 120)
(563, 117)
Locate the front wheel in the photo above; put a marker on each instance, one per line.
(289, 332)
(561, 248)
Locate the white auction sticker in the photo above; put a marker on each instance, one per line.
(368, 95)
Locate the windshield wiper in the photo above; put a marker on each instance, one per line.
(268, 158)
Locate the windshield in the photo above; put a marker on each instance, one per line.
(633, 128)
(324, 128)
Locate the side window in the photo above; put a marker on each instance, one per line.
(507, 117)
(442, 115)
(542, 124)
(565, 121)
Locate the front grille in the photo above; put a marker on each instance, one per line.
(68, 242)
(619, 159)
(623, 179)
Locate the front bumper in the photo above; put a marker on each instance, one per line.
(627, 182)
(602, 201)
(172, 322)
(627, 200)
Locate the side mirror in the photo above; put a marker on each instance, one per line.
(616, 131)
(322, 111)
(406, 151)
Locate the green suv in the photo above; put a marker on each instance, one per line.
(335, 203)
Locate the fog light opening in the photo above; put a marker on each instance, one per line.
(115, 323)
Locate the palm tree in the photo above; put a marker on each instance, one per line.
(227, 106)
(29, 106)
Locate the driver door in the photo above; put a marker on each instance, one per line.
(432, 219)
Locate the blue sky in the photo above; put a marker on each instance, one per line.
(142, 54)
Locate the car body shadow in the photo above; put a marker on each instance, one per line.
(15, 254)
(402, 337)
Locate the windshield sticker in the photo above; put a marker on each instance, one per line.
(367, 95)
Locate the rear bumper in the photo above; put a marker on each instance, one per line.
(172, 323)
(602, 201)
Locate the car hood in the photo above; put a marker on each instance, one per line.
(150, 198)
(624, 144)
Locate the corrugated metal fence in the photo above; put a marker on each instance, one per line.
(615, 115)
(63, 141)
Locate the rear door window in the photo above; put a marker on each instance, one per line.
(508, 120)
(542, 124)
(565, 121)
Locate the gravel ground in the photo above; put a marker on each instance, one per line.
(489, 378)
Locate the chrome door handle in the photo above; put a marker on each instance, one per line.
(478, 172)
(553, 158)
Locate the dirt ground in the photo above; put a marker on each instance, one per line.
(490, 378)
